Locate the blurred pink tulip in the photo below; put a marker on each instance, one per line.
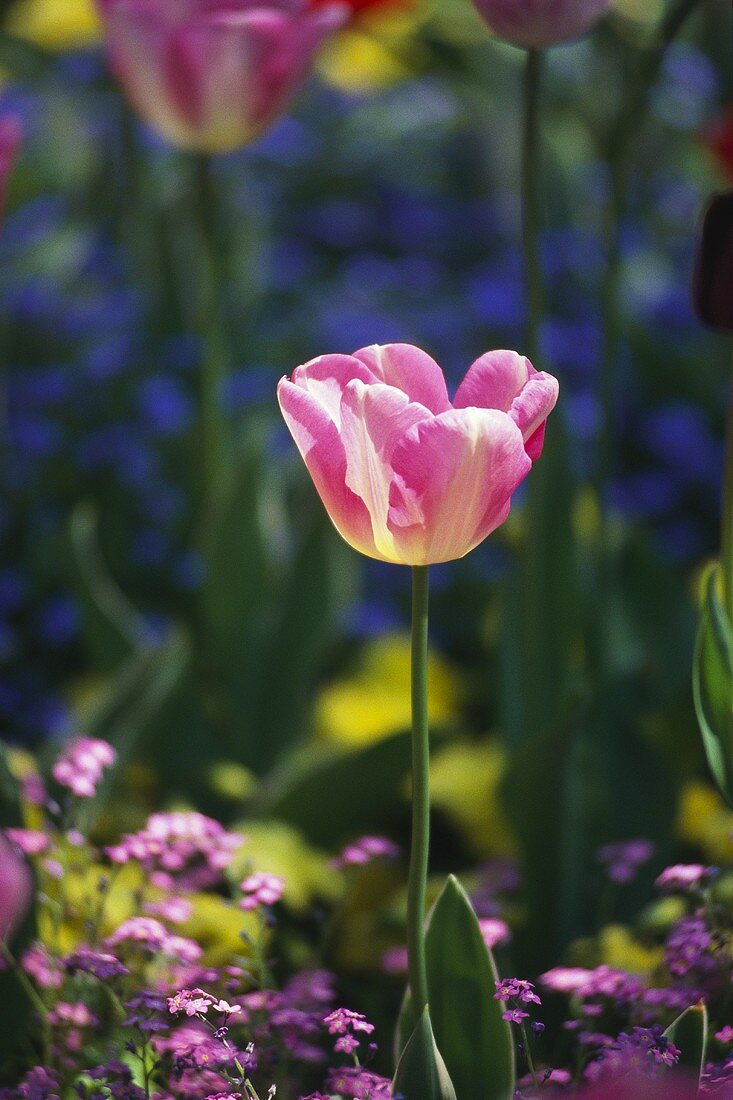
(535, 23)
(209, 75)
(407, 476)
(11, 137)
(16, 888)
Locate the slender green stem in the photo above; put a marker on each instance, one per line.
(727, 532)
(213, 422)
(620, 145)
(531, 201)
(540, 580)
(33, 996)
(417, 883)
(528, 1055)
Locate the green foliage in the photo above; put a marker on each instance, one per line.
(690, 1033)
(567, 793)
(15, 1005)
(142, 674)
(474, 1040)
(421, 1073)
(363, 788)
(713, 685)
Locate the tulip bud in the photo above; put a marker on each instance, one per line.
(537, 23)
(16, 888)
(210, 75)
(713, 283)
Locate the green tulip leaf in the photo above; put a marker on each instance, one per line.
(421, 1073)
(475, 1041)
(713, 685)
(689, 1032)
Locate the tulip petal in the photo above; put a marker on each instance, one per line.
(409, 369)
(530, 408)
(454, 476)
(493, 381)
(317, 438)
(326, 377)
(373, 419)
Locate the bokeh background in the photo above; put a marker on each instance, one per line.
(384, 206)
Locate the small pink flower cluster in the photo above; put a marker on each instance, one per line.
(365, 850)
(495, 932)
(152, 936)
(196, 1002)
(260, 889)
(81, 765)
(344, 1023)
(183, 849)
(684, 878)
(516, 992)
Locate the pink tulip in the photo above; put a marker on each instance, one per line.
(533, 23)
(11, 137)
(16, 888)
(210, 75)
(407, 476)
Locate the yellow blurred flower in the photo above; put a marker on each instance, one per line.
(276, 848)
(465, 778)
(218, 926)
(376, 52)
(587, 516)
(620, 950)
(375, 701)
(55, 24)
(704, 819)
(230, 779)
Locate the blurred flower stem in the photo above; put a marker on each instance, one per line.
(544, 591)
(727, 531)
(417, 882)
(214, 442)
(618, 154)
(531, 203)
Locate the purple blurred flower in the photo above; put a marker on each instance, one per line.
(623, 860)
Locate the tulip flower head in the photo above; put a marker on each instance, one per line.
(11, 137)
(406, 475)
(210, 75)
(538, 23)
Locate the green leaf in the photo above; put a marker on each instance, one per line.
(690, 1033)
(475, 1041)
(421, 1073)
(111, 625)
(712, 680)
(124, 708)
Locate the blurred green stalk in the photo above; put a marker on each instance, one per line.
(419, 853)
(214, 440)
(618, 157)
(545, 595)
(531, 201)
(727, 527)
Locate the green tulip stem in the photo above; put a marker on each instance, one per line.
(619, 147)
(727, 532)
(417, 881)
(213, 427)
(531, 201)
